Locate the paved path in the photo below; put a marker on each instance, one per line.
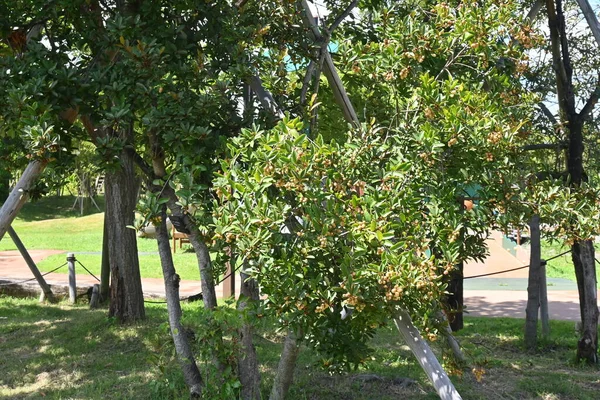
(500, 296)
(14, 268)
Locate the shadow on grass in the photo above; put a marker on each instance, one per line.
(72, 352)
(52, 207)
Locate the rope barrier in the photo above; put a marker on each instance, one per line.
(33, 279)
(88, 271)
(516, 269)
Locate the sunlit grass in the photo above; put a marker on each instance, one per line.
(80, 235)
(63, 351)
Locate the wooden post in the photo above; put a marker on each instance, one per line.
(95, 299)
(72, 283)
(47, 292)
(19, 195)
(419, 347)
(544, 301)
(229, 280)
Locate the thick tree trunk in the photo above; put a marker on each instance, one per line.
(248, 360)
(185, 355)
(105, 264)
(286, 367)
(533, 287)
(19, 195)
(585, 271)
(126, 297)
(426, 358)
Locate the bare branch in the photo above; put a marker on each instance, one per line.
(306, 81)
(590, 103)
(535, 10)
(342, 16)
(547, 113)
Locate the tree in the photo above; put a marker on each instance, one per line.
(571, 78)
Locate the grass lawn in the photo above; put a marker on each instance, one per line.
(561, 267)
(62, 351)
(50, 223)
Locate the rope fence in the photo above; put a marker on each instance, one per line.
(516, 269)
(32, 279)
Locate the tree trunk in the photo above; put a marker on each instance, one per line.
(436, 374)
(582, 251)
(585, 271)
(533, 287)
(455, 298)
(105, 263)
(286, 367)
(19, 195)
(248, 360)
(185, 355)
(126, 297)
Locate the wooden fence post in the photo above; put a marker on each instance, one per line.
(95, 299)
(72, 283)
(229, 280)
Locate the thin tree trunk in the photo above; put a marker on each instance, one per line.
(585, 272)
(248, 360)
(126, 296)
(533, 287)
(19, 195)
(185, 355)
(436, 374)
(209, 296)
(286, 367)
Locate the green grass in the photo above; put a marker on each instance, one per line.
(62, 351)
(561, 267)
(39, 229)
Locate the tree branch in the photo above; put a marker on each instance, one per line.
(547, 113)
(535, 10)
(590, 104)
(342, 16)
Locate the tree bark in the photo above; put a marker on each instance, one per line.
(286, 367)
(455, 298)
(533, 287)
(19, 195)
(105, 263)
(126, 296)
(248, 360)
(426, 358)
(585, 271)
(185, 355)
